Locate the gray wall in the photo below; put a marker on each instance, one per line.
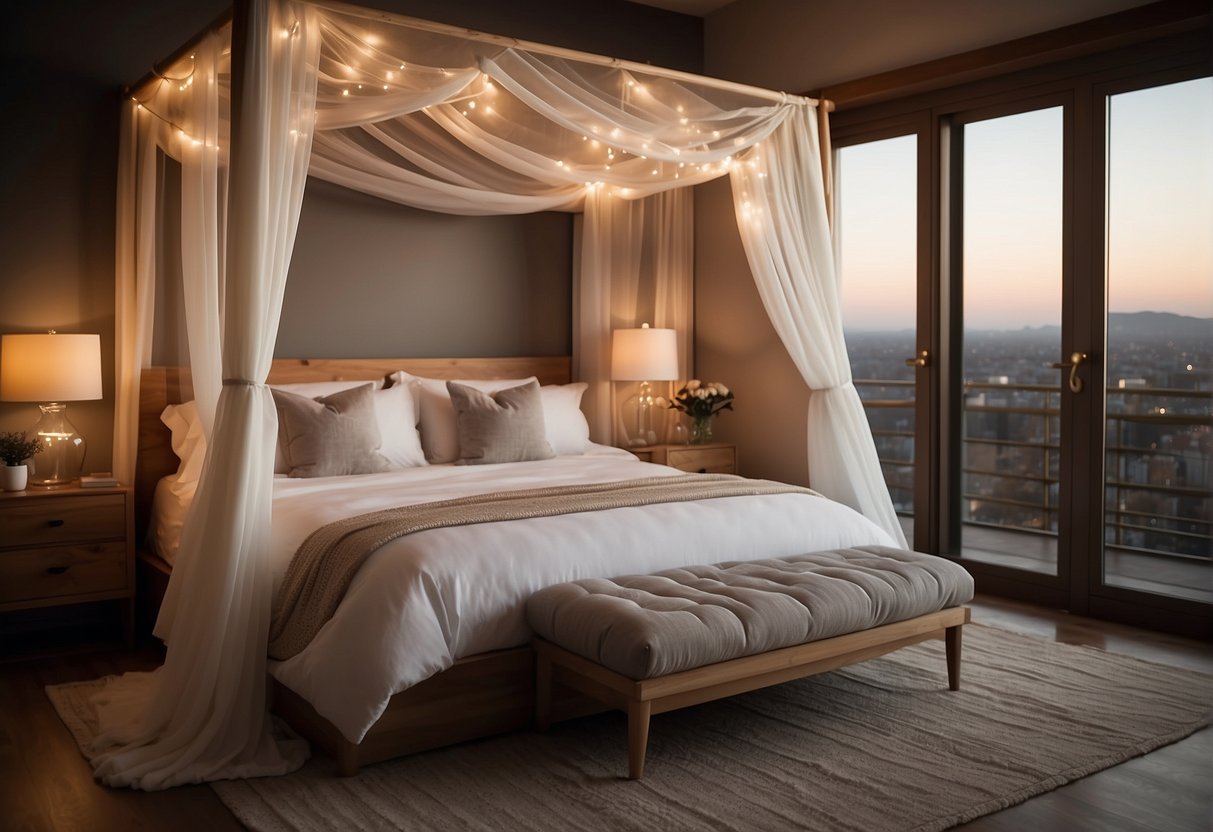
(404, 282)
(797, 46)
(62, 67)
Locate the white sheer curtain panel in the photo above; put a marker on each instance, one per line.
(637, 264)
(202, 715)
(779, 198)
(135, 276)
(204, 180)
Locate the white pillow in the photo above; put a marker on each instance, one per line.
(314, 389)
(439, 437)
(397, 413)
(568, 432)
(188, 441)
(565, 426)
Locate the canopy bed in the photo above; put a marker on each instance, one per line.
(450, 121)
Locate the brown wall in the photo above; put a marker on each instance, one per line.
(62, 66)
(797, 46)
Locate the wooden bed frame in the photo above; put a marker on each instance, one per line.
(481, 695)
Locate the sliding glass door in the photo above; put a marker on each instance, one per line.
(1027, 286)
(1010, 226)
(1157, 508)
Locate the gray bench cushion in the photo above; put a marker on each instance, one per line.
(645, 626)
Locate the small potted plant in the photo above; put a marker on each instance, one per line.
(14, 450)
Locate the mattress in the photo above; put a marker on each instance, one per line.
(421, 602)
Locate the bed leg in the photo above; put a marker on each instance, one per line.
(347, 759)
(952, 648)
(638, 736)
(543, 691)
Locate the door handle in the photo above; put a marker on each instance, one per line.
(923, 360)
(1077, 359)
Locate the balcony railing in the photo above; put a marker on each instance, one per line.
(1158, 460)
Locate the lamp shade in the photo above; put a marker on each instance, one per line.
(644, 354)
(50, 368)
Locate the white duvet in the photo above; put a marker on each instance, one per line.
(427, 599)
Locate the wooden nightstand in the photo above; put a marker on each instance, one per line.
(714, 458)
(68, 546)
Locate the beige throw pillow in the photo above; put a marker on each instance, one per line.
(506, 426)
(329, 436)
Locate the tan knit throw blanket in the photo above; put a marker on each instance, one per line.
(323, 567)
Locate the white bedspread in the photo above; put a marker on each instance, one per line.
(427, 599)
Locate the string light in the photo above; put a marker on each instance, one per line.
(670, 140)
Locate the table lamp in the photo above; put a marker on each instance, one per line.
(644, 355)
(52, 369)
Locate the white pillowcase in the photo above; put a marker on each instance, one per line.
(188, 441)
(439, 438)
(396, 413)
(568, 432)
(565, 426)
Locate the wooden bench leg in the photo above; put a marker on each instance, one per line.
(638, 736)
(543, 692)
(347, 758)
(952, 648)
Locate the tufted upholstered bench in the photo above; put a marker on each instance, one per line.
(647, 644)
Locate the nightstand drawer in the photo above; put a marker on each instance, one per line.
(63, 520)
(702, 460)
(57, 571)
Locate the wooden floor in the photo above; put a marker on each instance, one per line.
(46, 785)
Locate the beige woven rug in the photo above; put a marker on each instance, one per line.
(877, 746)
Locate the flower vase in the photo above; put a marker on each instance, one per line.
(701, 430)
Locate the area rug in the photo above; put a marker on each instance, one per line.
(878, 746)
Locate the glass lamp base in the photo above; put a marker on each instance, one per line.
(62, 454)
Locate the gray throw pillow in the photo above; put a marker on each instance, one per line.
(331, 435)
(506, 426)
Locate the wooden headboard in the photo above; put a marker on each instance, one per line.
(162, 386)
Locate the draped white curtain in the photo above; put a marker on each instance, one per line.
(442, 122)
(135, 284)
(636, 266)
(781, 214)
(202, 715)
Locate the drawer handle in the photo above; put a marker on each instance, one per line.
(703, 470)
(56, 570)
(54, 524)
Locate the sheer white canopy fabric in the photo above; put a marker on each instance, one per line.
(432, 119)
(202, 715)
(780, 207)
(636, 266)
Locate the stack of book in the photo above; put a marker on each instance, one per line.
(99, 480)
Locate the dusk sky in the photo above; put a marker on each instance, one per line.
(1160, 213)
